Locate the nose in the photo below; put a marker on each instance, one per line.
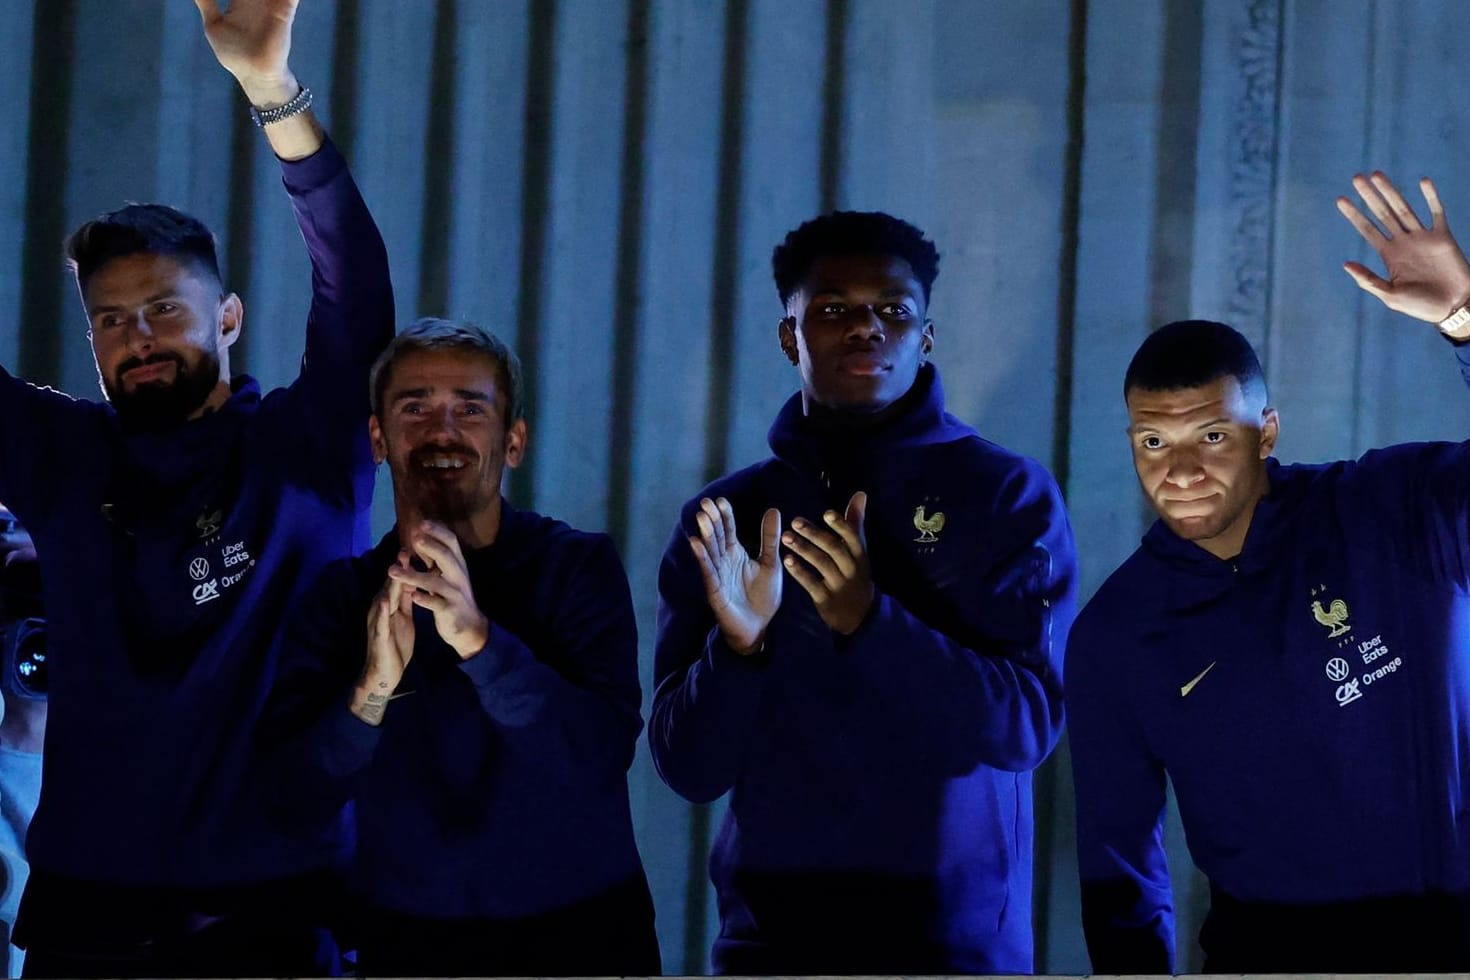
(864, 323)
(139, 333)
(1185, 468)
(443, 419)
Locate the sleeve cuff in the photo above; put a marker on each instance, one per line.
(310, 173)
(497, 658)
(721, 658)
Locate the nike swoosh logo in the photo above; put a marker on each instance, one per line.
(1184, 691)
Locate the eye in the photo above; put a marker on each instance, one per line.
(831, 309)
(1151, 442)
(894, 311)
(110, 321)
(472, 408)
(1214, 436)
(162, 309)
(411, 408)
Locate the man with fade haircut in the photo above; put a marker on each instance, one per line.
(1287, 648)
(180, 521)
(875, 720)
(472, 684)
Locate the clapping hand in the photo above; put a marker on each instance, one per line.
(832, 564)
(743, 592)
(444, 588)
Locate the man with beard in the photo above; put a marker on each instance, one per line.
(875, 725)
(1287, 648)
(180, 521)
(472, 683)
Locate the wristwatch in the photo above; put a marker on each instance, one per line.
(1456, 326)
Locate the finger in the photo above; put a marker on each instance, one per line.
(712, 526)
(449, 561)
(814, 553)
(1376, 204)
(374, 613)
(708, 536)
(808, 579)
(434, 603)
(849, 527)
(727, 516)
(1360, 221)
(1402, 212)
(1436, 208)
(417, 580)
(706, 566)
(1367, 279)
(446, 538)
(770, 537)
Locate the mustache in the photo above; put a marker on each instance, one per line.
(417, 456)
(160, 357)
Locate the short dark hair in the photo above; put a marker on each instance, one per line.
(852, 233)
(433, 333)
(1191, 353)
(154, 229)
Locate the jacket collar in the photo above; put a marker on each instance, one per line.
(1200, 576)
(921, 420)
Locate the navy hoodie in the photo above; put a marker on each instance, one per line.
(880, 788)
(1308, 701)
(169, 561)
(496, 787)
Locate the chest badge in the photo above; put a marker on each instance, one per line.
(209, 522)
(1334, 617)
(928, 526)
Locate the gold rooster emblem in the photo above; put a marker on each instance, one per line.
(1334, 617)
(928, 527)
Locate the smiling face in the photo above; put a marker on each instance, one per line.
(1201, 456)
(442, 432)
(160, 333)
(855, 327)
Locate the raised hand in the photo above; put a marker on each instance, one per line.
(252, 40)
(744, 593)
(444, 589)
(832, 565)
(1427, 275)
(390, 648)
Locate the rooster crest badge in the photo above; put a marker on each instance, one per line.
(1334, 617)
(928, 527)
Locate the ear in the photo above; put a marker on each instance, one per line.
(376, 440)
(1270, 431)
(786, 330)
(515, 443)
(231, 319)
(926, 342)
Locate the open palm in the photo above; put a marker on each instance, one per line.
(744, 593)
(1426, 273)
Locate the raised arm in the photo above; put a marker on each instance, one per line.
(252, 41)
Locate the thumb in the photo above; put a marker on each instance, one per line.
(857, 512)
(770, 538)
(1366, 278)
